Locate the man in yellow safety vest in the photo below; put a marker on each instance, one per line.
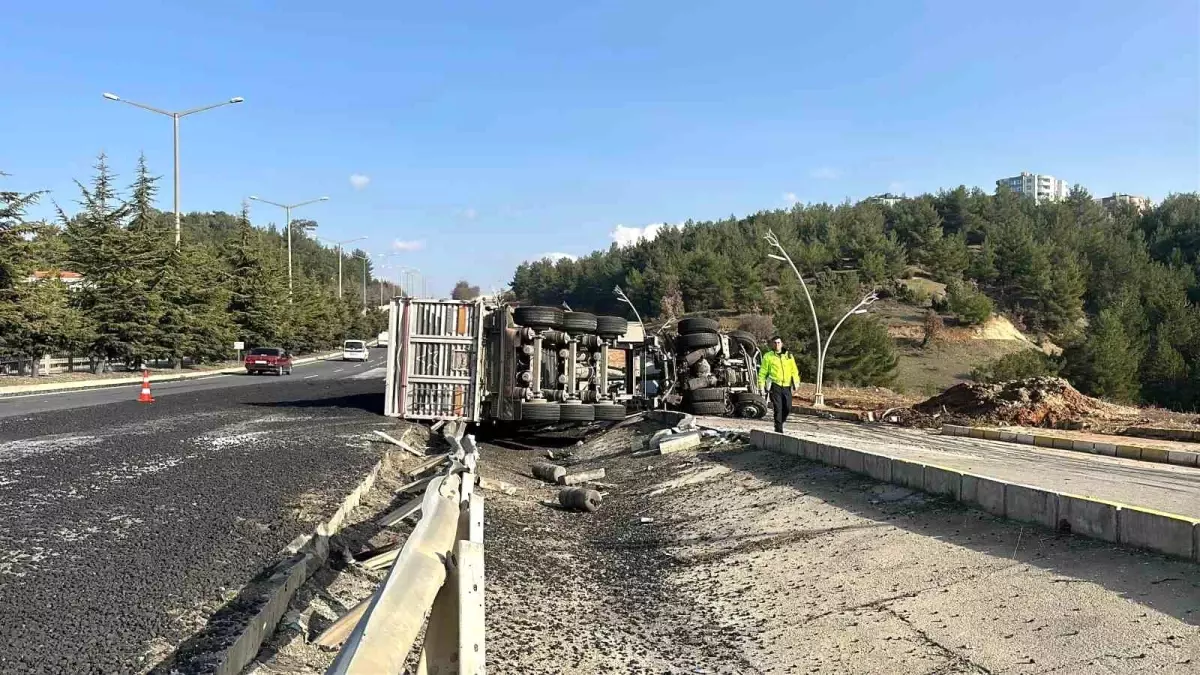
(780, 369)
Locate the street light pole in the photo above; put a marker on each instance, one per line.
(818, 398)
(287, 210)
(175, 117)
(339, 252)
(860, 308)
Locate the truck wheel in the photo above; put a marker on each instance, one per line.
(693, 341)
(698, 324)
(611, 326)
(609, 412)
(579, 322)
(539, 317)
(709, 395)
(539, 411)
(746, 339)
(710, 408)
(576, 412)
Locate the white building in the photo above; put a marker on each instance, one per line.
(1037, 185)
(886, 199)
(1139, 202)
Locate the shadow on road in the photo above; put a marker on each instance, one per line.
(1164, 584)
(369, 402)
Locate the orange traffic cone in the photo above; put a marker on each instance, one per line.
(145, 396)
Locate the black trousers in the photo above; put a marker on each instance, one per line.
(781, 401)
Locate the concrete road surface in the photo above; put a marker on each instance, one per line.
(125, 525)
(1162, 487)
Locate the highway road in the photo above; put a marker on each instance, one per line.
(24, 404)
(126, 524)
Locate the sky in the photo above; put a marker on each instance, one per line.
(465, 137)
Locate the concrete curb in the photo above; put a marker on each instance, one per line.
(123, 381)
(306, 554)
(1128, 451)
(1167, 533)
(1144, 453)
(1167, 434)
(835, 413)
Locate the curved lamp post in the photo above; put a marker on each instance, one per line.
(860, 308)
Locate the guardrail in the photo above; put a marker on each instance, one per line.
(439, 572)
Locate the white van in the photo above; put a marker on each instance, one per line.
(355, 350)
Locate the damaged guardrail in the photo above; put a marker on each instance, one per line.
(438, 572)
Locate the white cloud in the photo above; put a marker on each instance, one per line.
(790, 197)
(408, 246)
(628, 236)
(359, 180)
(556, 257)
(825, 173)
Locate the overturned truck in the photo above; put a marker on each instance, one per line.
(480, 361)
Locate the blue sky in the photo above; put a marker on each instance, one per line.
(496, 132)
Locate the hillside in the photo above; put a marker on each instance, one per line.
(1116, 289)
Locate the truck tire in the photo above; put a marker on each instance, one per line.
(749, 405)
(745, 338)
(539, 317)
(576, 412)
(698, 324)
(697, 341)
(540, 411)
(609, 412)
(710, 408)
(611, 326)
(708, 395)
(579, 322)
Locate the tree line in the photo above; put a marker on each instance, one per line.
(143, 299)
(1115, 287)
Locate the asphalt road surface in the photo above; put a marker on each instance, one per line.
(125, 525)
(1163, 487)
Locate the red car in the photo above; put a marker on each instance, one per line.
(268, 360)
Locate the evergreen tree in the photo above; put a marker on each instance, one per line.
(1106, 364)
(257, 290)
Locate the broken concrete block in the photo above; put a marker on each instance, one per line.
(679, 442)
(550, 473)
(580, 499)
(581, 477)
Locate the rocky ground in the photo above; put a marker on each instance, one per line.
(127, 526)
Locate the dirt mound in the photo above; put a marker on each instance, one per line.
(1035, 401)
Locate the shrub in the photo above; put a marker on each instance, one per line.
(1017, 366)
(967, 304)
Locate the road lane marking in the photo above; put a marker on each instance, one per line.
(309, 377)
(339, 370)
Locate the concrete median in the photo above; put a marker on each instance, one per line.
(1127, 525)
(1089, 517)
(1162, 532)
(985, 493)
(1031, 505)
(941, 481)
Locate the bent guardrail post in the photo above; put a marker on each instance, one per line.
(382, 640)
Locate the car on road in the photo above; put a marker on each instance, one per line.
(383, 339)
(355, 350)
(269, 360)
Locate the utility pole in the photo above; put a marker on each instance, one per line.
(175, 117)
(339, 252)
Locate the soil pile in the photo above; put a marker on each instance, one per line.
(1034, 401)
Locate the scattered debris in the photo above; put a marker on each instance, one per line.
(404, 446)
(645, 521)
(409, 508)
(579, 499)
(432, 462)
(498, 486)
(551, 473)
(581, 477)
(659, 436)
(679, 442)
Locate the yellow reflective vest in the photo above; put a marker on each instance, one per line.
(779, 369)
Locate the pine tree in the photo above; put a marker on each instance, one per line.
(1106, 364)
(258, 294)
(15, 267)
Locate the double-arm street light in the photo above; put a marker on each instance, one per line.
(339, 245)
(365, 258)
(175, 117)
(822, 349)
(287, 208)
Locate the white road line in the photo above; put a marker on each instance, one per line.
(339, 370)
(309, 377)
